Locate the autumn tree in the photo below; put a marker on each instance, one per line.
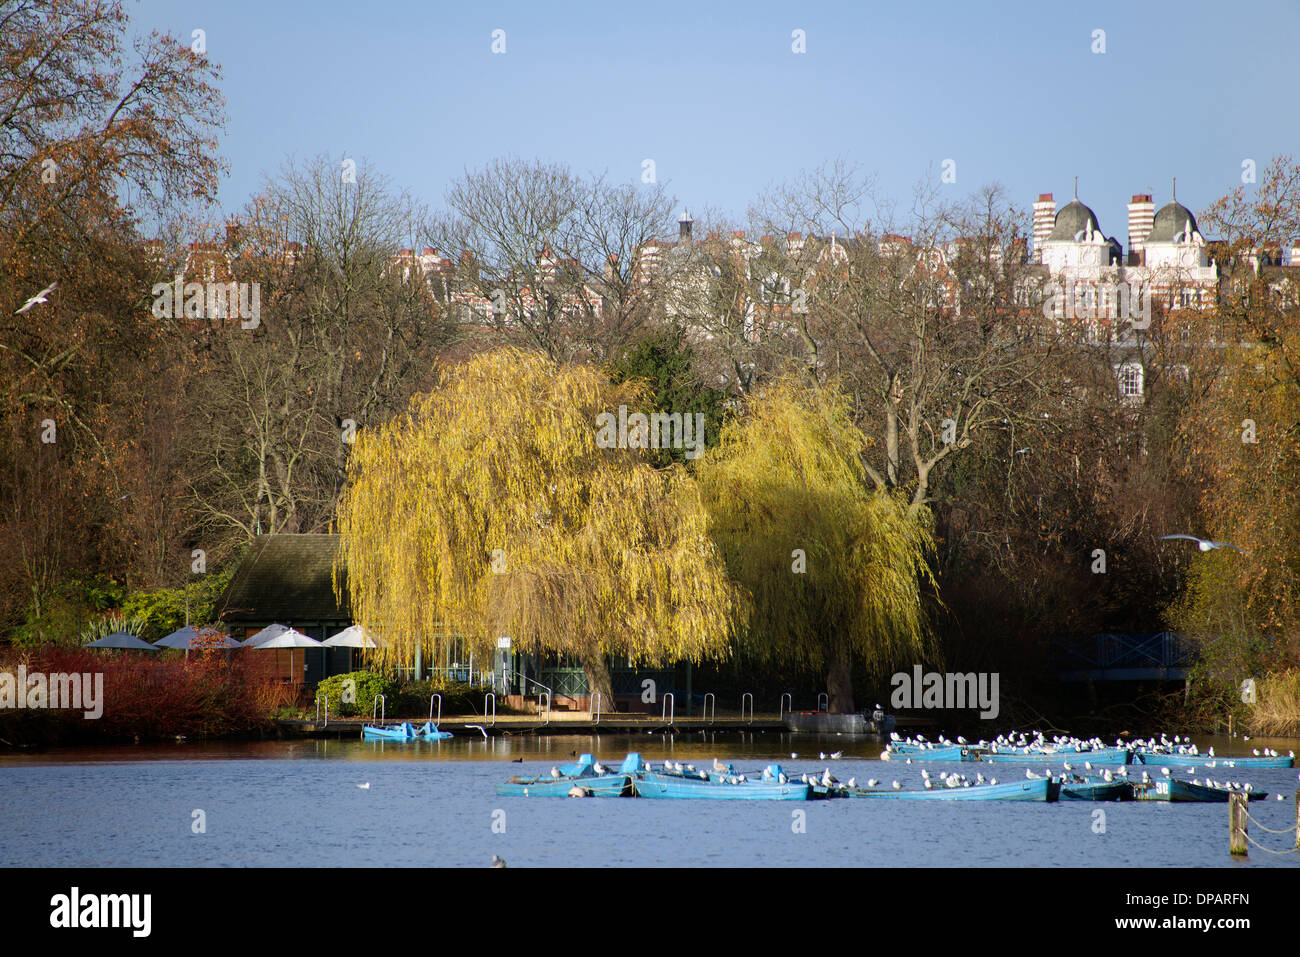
(489, 509)
(835, 567)
(85, 121)
(348, 331)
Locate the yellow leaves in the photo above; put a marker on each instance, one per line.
(603, 554)
(789, 477)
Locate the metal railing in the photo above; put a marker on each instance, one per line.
(439, 697)
(491, 695)
(595, 708)
(547, 696)
(378, 708)
(823, 696)
(751, 706)
(326, 699)
(707, 698)
(781, 708)
(669, 708)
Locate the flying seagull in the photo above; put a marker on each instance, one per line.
(1202, 543)
(37, 299)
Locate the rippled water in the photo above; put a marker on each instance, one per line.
(297, 804)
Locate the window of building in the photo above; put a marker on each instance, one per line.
(1130, 380)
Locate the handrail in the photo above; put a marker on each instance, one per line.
(822, 695)
(379, 707)
(707, 698)
(751, 706)
(595, 700)
(668, 712)
(439, 697)
(492, 695)
(326, 699)
(781, 708)
(548, 691)
(547, 696)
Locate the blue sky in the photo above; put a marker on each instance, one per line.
(713, 93)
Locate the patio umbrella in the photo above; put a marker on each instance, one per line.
(121, 639)
(286, 638)
(188, 637)
(351, 637)
(354, 636)
(266, 634)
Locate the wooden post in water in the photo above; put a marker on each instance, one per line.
(1237, 824)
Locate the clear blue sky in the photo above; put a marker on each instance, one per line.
(712, 92)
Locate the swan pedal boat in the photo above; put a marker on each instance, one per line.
(403, 732)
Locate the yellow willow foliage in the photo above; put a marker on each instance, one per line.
(488, 510)
(789, 477)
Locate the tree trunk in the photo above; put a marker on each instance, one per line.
(839, 683)
(596, 668)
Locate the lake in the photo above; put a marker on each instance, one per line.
(297, 804)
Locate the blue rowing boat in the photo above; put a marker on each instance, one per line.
(718, 786)
(954, 752)
(1097, 756)
(1184, 760)
(1096, 790)
(579, 779)
(1185, 791)
(1039, 789)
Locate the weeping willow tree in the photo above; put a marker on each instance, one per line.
(488, 509)
(835, 568)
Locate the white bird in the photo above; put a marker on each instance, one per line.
(598, 768)
(555, 772)
(897, 786)
(782, 778)
(1280, 798)
(993, 780)
(365, 786)
(1165, 772)
(821, 755)
(718, 765)
(39, 298)
(871, 782)
(1204, 544)
(498, 861)
(793, 755)
(836, 755)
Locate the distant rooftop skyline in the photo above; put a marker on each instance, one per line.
(721, 103)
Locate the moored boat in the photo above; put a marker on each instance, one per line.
(1096, 790)
(1097, 756)
(1037, 789)
(1186, 791)
(718, 786)
(1184, 760)
(403, 732)
(954, 752)
(581, 777)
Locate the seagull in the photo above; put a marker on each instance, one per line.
(836, 755)
(555, 772)
(598, 768)
(718, 765)
(821, 755)
(365, 786)
(498, 861)
(1165, 772)
(793, 755)
(1203, 544)
(39, 298)
(897, 786)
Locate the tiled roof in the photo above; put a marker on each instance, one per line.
(287, 579)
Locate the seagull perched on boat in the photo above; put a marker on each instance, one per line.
(782, 778)
(1165, 772)
(36, 300)
(555, 772)
(598, 768)
(1204, 544)
(827, 780)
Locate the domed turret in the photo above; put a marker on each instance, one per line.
(1174, 223)
(1074, 222)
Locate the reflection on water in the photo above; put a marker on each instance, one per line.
(297, 803)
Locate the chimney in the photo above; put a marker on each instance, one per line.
(1044, 220)
(1141, 215)
(1295, 253)
(684, 226)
